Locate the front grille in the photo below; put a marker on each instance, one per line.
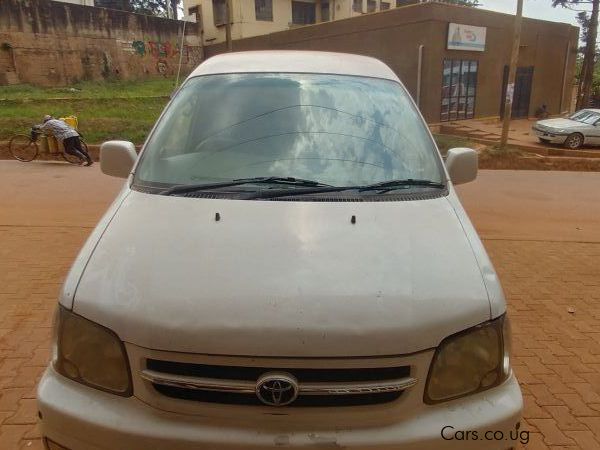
(230, 398)
(234, 385)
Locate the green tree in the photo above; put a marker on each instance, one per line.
(149, 7)
(156, 7)
(589, 34)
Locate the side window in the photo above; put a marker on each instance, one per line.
(263, 10)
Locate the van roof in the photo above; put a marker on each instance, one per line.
(293, 61)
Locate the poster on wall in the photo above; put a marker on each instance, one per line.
(466, 37)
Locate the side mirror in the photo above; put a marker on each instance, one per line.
(117, 158)
(461, 164)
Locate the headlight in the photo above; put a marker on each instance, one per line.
(90, 354)
(469, 362)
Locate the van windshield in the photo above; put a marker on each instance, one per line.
(338, 130)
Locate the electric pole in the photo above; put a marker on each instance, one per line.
(589, 65)
(512, 72)
(228, 26)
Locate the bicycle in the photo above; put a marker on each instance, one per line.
(25, 147)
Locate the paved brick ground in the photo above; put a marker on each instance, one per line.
(553, 290)
(556, 353)
(33, 261)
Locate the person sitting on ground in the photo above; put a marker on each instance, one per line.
(542, 112)
(67, 135)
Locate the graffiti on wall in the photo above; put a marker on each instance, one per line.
(162, 66)
(158, 49)
(161, 52)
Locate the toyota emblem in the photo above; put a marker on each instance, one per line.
(277, 389)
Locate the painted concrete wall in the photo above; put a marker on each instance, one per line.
(244, 23)
(57, 43)
(395, 36)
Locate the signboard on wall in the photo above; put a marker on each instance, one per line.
(466, 37)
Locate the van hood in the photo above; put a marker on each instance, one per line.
(283, 278)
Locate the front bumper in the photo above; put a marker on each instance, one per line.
(548, 136)
(81, 418)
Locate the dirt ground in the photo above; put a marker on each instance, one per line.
(541, 230)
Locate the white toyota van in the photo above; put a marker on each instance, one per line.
(287, 265)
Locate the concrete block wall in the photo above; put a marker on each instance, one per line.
(58, 43)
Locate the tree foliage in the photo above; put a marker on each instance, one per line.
(589, 34)
(149, 7)
(156, 7)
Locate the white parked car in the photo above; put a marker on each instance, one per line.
(581, 128)
(287, 265)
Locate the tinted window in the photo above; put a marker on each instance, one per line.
(303, 13)
(219, 12)
(263, 9)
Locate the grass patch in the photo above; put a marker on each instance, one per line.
(111, 110)
(91, 89)
(99, 120)
(446, 142)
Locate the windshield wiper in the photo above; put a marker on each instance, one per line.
(291, 181)
(384, 186)
(395, 184)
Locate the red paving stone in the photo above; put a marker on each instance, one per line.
(551, 279)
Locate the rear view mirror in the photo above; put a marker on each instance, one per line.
(461, 164)
(117, 158)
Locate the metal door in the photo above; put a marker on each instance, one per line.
(522, 92)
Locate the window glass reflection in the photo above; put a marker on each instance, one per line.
(339, 130)
(459, 86)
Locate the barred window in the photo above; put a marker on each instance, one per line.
(384, 6)
(459, 89)
(303, 13)
(371, 6)
(357, 6)
(219, 12)
(264, 10)
(325, 14)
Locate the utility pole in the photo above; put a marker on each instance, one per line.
(228, 25)
(512, 73)
(587, 71)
